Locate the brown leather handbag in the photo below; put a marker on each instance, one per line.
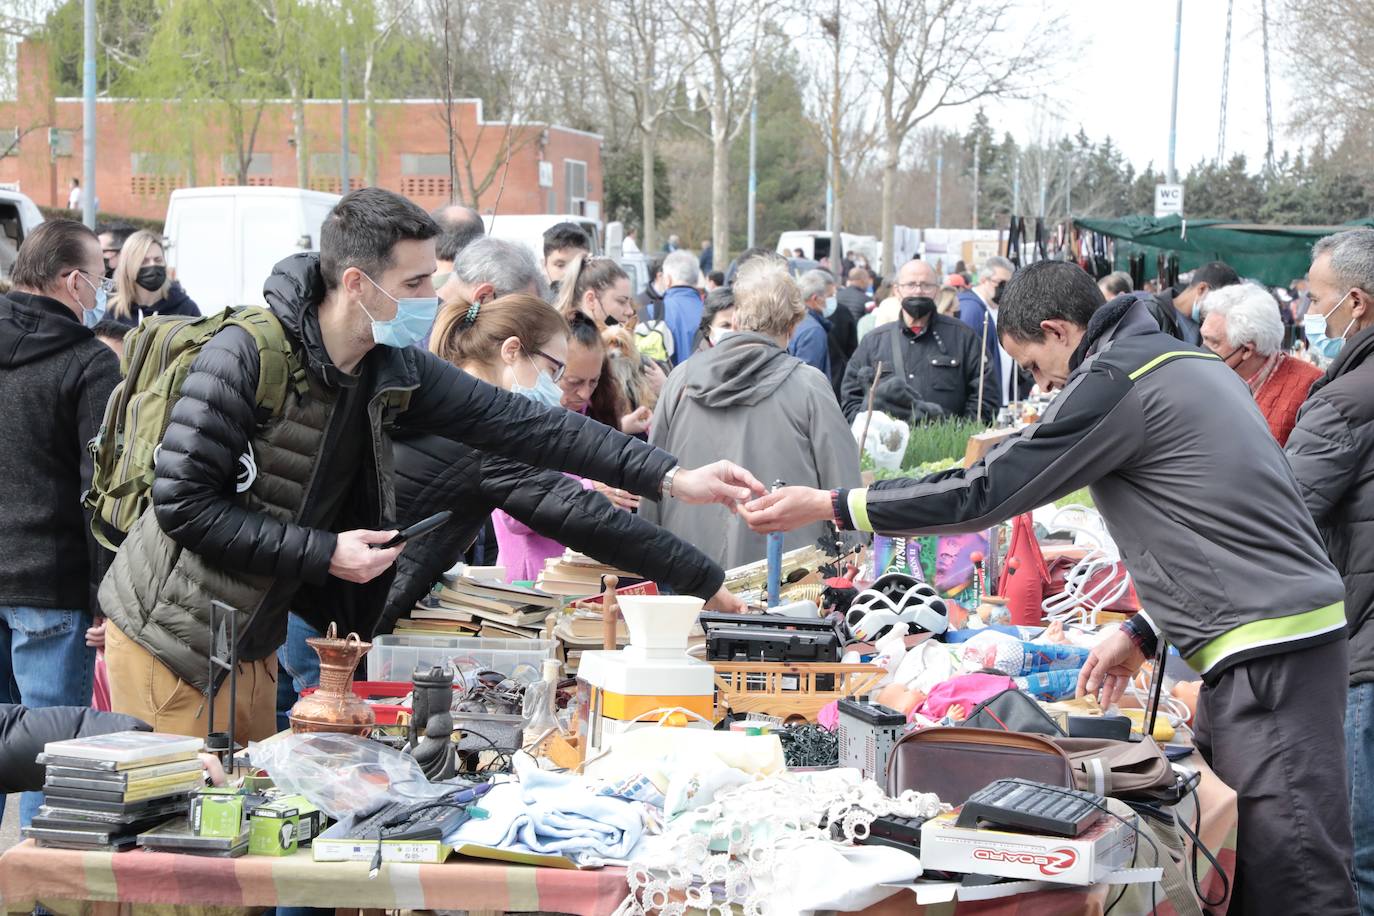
(956, 762)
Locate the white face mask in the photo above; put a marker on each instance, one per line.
(719, 334)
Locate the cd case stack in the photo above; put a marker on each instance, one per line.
(102, 792)
(177, 836)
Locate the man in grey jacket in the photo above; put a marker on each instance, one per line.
(1331, 450)
(748, 400)
(1251, 601)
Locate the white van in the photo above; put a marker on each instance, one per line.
(222, 243)
(528, 229)
(814, 245)
(18, 217)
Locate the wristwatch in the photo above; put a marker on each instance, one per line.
(665, 488)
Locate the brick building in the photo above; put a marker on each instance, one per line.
(145, 154)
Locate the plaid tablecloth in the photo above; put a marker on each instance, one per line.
(69, 883)
(59, 878)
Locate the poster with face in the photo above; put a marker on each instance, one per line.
(945, 561)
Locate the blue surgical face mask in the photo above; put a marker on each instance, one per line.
(1315, 327)
(91, 317)
(1197, 308)
(414, 318)
(545, 391)
(830, 305)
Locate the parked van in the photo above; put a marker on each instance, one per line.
(814, 245)
(528, 229)
(222, 243)
(18, 217)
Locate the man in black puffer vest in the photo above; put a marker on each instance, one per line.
(55, 381)
(271, 513)
(1331, 451)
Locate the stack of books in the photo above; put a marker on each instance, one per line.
(102, 792)
(577, 575)
(468, 606)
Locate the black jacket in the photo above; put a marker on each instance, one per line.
(642, 301)
(1171, 321)
(844, 340)
(1331, 450)
(853, 300)
(434, 474)
(176, 302)
(23, 732)
(215, 418)
(55, 378)
(942, 373)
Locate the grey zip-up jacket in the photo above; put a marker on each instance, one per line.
(1193, 488)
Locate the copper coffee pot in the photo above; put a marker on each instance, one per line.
(334, 707)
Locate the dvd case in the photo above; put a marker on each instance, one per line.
(129, 748)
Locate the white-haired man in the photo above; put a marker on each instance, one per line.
(682, 305)
(810, 341)
(1243, 327)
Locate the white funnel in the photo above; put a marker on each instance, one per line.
(659, 624)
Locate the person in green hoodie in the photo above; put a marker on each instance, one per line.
(746, 399)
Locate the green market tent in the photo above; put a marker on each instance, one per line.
(1272, 254)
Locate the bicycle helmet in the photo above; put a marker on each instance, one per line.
(897, 599)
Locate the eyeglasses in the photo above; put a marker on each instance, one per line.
(920, 287)
(559, 367)
(99, 283)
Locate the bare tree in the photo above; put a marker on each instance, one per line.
(845, 129)
(937, 54)
(1338, 82)
(634, 55)
(482, 58)
(727, 37)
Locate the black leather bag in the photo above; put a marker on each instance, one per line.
(1013, 711)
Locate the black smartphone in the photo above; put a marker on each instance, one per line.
(424, 526)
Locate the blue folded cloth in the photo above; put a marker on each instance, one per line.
(555, 814)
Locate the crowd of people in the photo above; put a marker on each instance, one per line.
(1228, 438)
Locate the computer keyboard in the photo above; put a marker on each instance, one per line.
(429, 819)
(1033, 807)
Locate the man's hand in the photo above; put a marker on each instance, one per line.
(633, 424)
(621, 499)
(95, 634)
(726, 602)
(355, 560)
(788, 509)
(723, 482)
(1109, 668)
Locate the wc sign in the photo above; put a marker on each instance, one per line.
(1168, 200)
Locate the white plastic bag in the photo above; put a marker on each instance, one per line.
(343, 775)
(886, 440)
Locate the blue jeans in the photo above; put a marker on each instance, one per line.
(44, 661)
(299, 664)
(1359, 753)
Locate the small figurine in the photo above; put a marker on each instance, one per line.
(430, 732)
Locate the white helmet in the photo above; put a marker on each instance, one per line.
(897, 599)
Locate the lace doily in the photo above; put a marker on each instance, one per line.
(724, 858)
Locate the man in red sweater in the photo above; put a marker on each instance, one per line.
(1243, 327)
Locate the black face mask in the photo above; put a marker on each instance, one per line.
(151, 278)
(998, 291)
(918, 308)
(611, 322)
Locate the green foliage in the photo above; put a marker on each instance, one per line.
(623, 171)
(933, 447)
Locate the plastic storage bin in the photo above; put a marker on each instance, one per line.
(395, 658)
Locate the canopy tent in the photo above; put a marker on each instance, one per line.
(1274, 255)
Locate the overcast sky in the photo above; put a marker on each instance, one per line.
(1120, 85)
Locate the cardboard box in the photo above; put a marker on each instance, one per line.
(1105, 847)
(283, 825)
(222, 812)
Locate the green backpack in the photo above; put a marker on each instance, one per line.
(157, 358)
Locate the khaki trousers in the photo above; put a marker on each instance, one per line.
(142, 686)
